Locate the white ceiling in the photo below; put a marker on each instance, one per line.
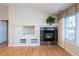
(50, 8)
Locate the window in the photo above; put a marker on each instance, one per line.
(70, 27)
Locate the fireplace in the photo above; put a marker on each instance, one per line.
(48, 35)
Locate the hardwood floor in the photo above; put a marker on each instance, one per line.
(43, 50)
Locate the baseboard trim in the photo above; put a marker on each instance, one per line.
(68, 51)
(22, 45)
(3, 42)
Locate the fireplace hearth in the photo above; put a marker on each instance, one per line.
(48, 35)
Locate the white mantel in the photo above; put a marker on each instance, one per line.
(47, 25)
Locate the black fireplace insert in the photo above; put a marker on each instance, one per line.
(48, 34)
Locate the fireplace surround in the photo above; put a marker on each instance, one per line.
(48, 35)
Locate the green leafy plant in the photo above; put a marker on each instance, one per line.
(50, 20)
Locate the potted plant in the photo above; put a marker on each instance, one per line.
(50, 20)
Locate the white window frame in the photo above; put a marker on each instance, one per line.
(66, 18)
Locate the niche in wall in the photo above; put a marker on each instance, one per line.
(28, 30)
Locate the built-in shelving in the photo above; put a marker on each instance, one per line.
(28, 30)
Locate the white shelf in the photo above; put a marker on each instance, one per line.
(28, 30)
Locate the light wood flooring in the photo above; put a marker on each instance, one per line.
(43, 50)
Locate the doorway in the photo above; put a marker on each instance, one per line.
(3, 32)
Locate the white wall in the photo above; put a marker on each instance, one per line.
(28, 16)
(21, 15)
(61, 33)
(3, 13)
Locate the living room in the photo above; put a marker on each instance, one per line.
(28, 29)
